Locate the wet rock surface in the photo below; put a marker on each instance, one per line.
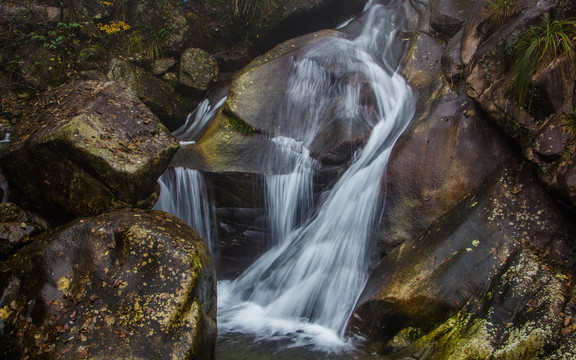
(129, 284)
(92, 138)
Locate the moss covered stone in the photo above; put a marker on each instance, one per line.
(90, 147)
(129, 284)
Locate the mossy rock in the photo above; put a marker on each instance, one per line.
(490, 278)
(129, 284)
(90, 147)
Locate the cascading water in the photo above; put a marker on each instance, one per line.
(197, 121)
(305, 287)
(183, 193)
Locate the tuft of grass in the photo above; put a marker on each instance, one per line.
(500, 10)
(569, 123)
(249, 9)
(537, 48)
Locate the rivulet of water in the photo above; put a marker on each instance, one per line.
(184, 194)
(303, 290)
(182, 191)
(197, 121)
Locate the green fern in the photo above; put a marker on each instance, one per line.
(537, 48)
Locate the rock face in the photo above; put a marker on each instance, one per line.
(153, 92)
(450, 152)
(478, 267)
(92, 138)
(537, 125)
(129, 284)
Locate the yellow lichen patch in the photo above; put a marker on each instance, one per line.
(63, 283)
(5, 312)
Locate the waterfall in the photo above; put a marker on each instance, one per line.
(305, 287)
(183, 193)
(197, 121)
(289, 197)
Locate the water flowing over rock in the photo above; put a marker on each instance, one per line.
(128, 284)
(182, 192)
(85, 138)
(318, 264)
(475, 257)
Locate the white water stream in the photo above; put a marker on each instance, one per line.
(183, 193)
(305, 288)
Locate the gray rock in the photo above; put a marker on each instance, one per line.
(198, 70)
(161, 66)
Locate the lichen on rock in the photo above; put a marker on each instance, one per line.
(88, 137)
(129, 284)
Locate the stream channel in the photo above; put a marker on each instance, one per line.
(294, 302)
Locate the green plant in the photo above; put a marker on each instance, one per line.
(249, 9)
(569, 123)
(500, 10)
(537, 48)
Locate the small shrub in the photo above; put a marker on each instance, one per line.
(113, 27)
(537, 48)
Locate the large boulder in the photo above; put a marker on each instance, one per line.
(153, 92)
(90, 147)
(238, 137)
(258, 94)
(491, 276)
(128, 284)
(451, 151)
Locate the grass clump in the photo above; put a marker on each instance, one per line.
(500, 10)
(250, 9)
(569, 123)
(537, 48)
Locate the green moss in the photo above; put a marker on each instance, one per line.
(457, 339)
(240, 125)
